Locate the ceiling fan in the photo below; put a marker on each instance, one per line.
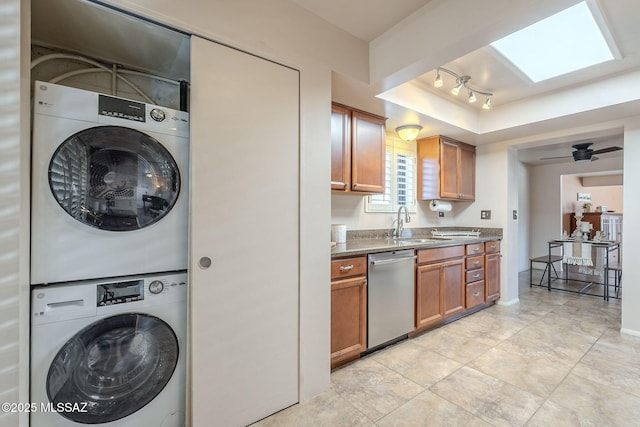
(585, 154)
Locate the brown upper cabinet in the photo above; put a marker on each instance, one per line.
(357, 150)
(446, 169)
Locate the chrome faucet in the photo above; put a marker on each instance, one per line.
(400, 223)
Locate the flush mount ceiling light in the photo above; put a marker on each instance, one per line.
(408, 132)
(560, 44)
(463, 82)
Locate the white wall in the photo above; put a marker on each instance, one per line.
(631, 235)
(524, 207)
(546, 200)
(14, 208)
(349, 209)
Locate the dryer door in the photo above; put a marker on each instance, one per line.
(112, 368)
(114, 178)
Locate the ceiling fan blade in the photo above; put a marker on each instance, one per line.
(594, 158)
(607, 150)
(559, 157)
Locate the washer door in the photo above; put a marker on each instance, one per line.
(113, 367)
(114, 178)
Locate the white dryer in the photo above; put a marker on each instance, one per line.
(109, 186)
(109, 352)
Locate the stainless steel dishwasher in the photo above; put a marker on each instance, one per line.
(390, 295)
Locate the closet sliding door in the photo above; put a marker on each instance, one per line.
(244, 236)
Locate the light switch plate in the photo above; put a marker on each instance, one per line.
(485, 214)
(515, 215)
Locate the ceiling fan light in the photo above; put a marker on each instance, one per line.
(472, 97)
(438, 81)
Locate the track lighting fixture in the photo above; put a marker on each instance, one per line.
(462, 82)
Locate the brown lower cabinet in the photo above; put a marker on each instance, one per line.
(440, 287)
(348, 310)
(492, 270)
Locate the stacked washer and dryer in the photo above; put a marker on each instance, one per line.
(108, 260)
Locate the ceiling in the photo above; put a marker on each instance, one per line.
(490, 72)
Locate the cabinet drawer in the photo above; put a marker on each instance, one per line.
(475, 249)
(348, 267)
(475, 262)
(475, 294)
(436, 254)
(475, 275)
(492, 247)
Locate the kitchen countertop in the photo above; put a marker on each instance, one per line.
(383, 244)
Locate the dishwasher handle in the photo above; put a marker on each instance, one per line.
(391, 260)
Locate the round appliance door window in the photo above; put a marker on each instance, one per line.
(112, 368)
(114, 178)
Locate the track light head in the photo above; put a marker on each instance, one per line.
(472, 97)
(487, 104)
(438, 81)
(456, 90)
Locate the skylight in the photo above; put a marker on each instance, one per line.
(562, 43)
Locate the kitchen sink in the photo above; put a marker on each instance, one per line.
(417, 240)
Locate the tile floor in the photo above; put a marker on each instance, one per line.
(554, 359)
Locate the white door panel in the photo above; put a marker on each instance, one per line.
(244, 217)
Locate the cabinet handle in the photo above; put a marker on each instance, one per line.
(476, 249)
(475, 276)
(346, 267)
(476, 294)
(476, 262)
(492, 247)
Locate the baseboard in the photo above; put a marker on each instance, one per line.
(632, 332)
(508, 303)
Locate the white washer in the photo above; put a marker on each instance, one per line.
(109, 352)
(109, 186)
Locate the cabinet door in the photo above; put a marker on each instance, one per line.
(492, 276)
(453, 287)
(340, 148)
(367, 153)
(449, 188)
(348, 319)
(243, 291)
(429, 298)
(467, 172)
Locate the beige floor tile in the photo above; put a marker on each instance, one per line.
(536, 375)
(596, 404)
(417, 363)
(372, 388)
(456, 343)
(328, 409)
(430, 410)
(491, 399)
(494, 325)
(554, 415)
(611, 366)
(556, 341)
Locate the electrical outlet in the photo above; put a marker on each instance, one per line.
(441, 214)
(485, 214)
